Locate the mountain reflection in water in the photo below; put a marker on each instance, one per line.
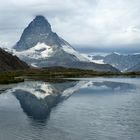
(37, 98)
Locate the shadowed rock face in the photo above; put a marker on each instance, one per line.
(39, 30)
(39, 46)
(9, 62)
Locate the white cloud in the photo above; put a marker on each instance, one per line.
(81, 22)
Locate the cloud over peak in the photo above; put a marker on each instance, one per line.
(81, 22)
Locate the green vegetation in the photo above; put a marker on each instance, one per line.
(7, 79)
(54, 73)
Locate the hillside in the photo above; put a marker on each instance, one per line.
(8, 62)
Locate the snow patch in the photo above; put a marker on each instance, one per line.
(34, 65)
(41, 50)
(92, 60)
(116, 53)
(70, 50)
(98, 61)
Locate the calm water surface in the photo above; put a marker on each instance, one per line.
(84, 109)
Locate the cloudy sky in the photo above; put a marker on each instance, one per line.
(109, 23)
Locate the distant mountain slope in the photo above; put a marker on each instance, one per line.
(9, 62)
(120, 61)
(135, 68)
(92, 66)
(39, 46)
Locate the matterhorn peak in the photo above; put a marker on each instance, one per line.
(37, 31)
(41, 21)
(40, 17)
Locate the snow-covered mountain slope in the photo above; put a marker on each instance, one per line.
(39, 46)
(43, 51)
(67, 48)
(40, 51)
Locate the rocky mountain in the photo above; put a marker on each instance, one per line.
(9, 62)
(120, 61)
(39, 46)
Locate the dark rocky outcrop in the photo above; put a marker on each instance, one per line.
(8, 62)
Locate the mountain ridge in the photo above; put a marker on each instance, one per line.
(123, 62)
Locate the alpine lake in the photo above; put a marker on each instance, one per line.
(71, 109)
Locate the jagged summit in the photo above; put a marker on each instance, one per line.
(40, 18)
(42, 23)
(39, 30)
